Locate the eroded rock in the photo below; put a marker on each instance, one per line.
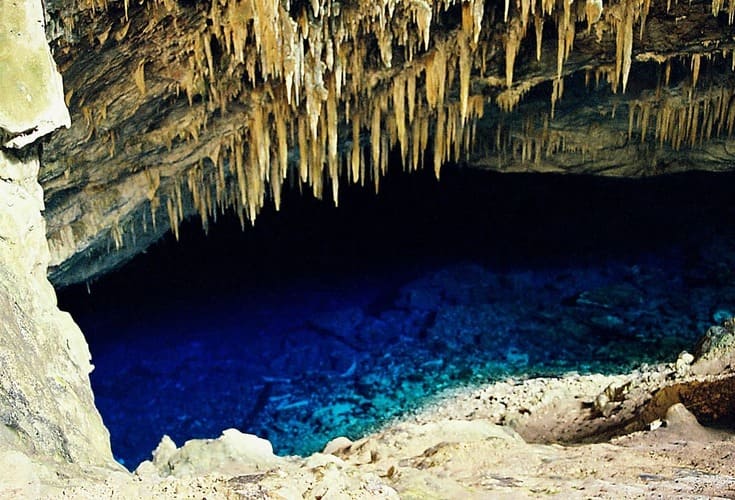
(46, 403)
(47, 412)
(31, 90)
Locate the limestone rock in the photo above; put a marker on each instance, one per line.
(19, 478)
(31, 90)
(46, 402)
(337, 444)
(234, 452)
(684, 363)
(715, 352)
(47, 411)
(678, 415)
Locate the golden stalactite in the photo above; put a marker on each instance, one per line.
(538, 24)
(592, 12)
(116, 234)
(513, 39)
(695, 65)
(375, 141)
(565, 36)
(717, 6)
(399, 110)
(473, 13)
(622, 16)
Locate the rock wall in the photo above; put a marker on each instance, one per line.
(46, 403)
(47, 410)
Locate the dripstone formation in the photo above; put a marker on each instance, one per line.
(197, 107)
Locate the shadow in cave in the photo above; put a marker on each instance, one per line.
(321, 321)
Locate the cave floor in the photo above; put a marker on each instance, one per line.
(452, 450)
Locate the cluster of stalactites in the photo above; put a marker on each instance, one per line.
(304, 100)
(686, 115)
(311, 102)
(670, 119)
(535, 140)
(683, 119)
(718, 6)
(619, 16)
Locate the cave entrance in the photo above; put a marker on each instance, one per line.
(323, 321)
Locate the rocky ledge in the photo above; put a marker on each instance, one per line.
(629, 435)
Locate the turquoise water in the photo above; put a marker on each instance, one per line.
(321, 322)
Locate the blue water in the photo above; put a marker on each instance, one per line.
(321, 322)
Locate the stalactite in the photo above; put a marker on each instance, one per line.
(465, 70)
(538, 23)
(696, 60)
(399, 110)
(172, 217)
(422, 16)
(375, 143)
(564, 25)
(116, 234)
(139, 77)
(716, 6)
(593, 12)
(332, 139)
(436, 73)
(512, 42)
(473, 13)
(556, 93)
(355, 152)
(303, 151)
(439, 141)
(282, 148)
(645, 115)
(631, 117)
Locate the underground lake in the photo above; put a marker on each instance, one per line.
(321, 321)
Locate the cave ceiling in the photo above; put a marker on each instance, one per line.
(188, 107)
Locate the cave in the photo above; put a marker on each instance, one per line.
(399, 249)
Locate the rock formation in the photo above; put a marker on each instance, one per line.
(196, 107)
(46, 406)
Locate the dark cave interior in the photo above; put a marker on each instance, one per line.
(321, 321)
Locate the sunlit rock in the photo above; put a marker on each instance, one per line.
(194, 108)
(31, 91)
(47, 409)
